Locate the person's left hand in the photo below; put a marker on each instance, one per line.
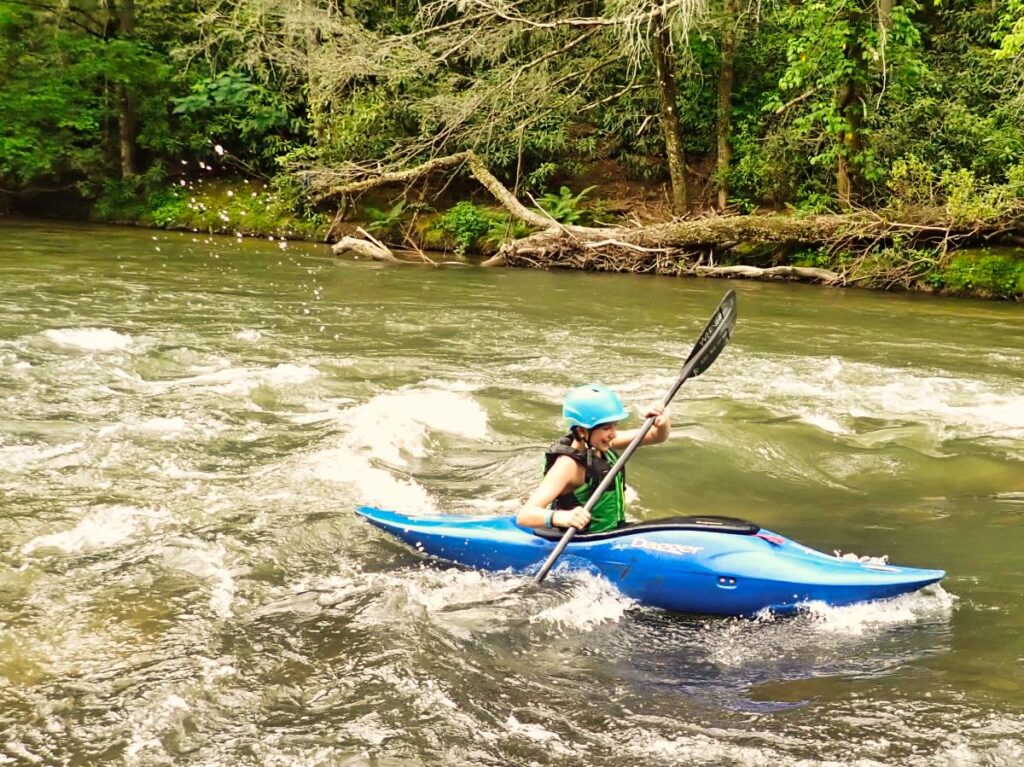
(658, 412)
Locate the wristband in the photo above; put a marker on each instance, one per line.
(548, 518)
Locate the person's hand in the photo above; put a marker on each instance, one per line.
(578, 518)
(658, 412)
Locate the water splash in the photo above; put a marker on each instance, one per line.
(89, 339)
(102, 528)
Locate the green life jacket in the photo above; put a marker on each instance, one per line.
(610, 510)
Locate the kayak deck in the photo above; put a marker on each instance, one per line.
(714, 565)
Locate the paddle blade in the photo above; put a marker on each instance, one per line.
(714, 337)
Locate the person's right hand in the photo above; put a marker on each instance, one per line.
(578, 518)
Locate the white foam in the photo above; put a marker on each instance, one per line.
(594, 601)
(150, 724)
(435, 588)
(701, 750)
(288, 374)
(89, 339)
(865, 617)
(242, 381)
(961, 752)
(537, 733)
(15, 458)
(866, 559)
(824, 422)
(831, 393)
(102, 528)
(371, 485)
(163, 429)
(399, 422)
(206, 561)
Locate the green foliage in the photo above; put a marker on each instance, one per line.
(251, 110)
(129, 200)
(928, 115)
(539, 176)
(999, 274)
(386, 221)
(564, 207)
(969, 200)
(830, 98)
(466, 223)
(230, 110)
(899, 264)
(57, 100)
(818, 258)
(503, 228)
(233, 208)
(911, 183)
(1009, 32)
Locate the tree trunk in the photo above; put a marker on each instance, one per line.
(317, 107)
(127, 119)
(725, 88)
(885, 15)
(849, 105)
(669, 115)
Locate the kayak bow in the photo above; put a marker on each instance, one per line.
(713, 565)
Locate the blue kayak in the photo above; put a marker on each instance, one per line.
(711, 565)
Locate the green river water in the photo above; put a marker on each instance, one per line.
(188, 422)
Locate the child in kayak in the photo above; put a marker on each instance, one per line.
(575, 464)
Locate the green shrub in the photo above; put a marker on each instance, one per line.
(386, 222)
(564, 207)
(818, 258)
(967, 200)
(911, 183)
(466, 223)
(505, 227)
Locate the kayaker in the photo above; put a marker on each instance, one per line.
(575, 465)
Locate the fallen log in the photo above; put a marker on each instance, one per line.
(713, 245)
(364, 248)
(808, 273)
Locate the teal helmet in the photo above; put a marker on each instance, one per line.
(593, 404)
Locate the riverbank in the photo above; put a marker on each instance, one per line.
(859, 250)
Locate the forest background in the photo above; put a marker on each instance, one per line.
(287, 117)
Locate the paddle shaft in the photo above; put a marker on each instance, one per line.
(705, 346)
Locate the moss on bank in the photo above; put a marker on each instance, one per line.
(985, 272)
(233, 207)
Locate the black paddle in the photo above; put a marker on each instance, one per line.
(712, 340)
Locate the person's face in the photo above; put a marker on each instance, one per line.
(601, 436)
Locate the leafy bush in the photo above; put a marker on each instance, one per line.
(911, 183)
(466, 223)
(505, 227)
(564, 207)
(818, 258)
(388, 221)
(969, 200)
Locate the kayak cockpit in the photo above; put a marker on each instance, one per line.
(706, 524)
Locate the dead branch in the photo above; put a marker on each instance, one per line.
(398, 176)
(365, 249)
(810, 273)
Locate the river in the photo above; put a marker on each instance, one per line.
(189, 421)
